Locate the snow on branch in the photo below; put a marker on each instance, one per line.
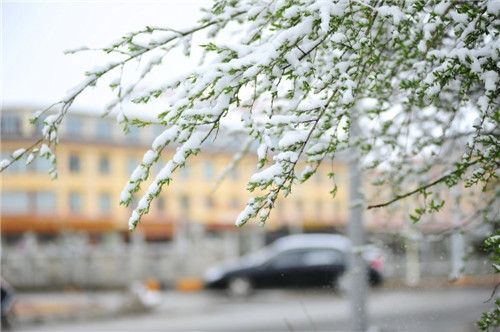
(294, 72)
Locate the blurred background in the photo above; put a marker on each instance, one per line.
(66, 250)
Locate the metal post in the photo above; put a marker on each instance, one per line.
(355, 229)
(181, 239)
(457, 240)
(412, 257)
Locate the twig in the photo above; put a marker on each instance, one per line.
(308, 316)
(421, 188)
(492, 293)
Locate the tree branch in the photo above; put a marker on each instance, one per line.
(423, 187)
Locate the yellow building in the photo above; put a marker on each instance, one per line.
(94, 161)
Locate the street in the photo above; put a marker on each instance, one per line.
(451, 309)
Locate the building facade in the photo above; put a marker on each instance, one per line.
(94, 161)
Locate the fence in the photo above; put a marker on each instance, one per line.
(73, 261)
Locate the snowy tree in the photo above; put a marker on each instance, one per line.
(420, 77)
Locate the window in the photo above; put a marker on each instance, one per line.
(74, 126)
(133, 134)
(319, 208)
(185, 172)
(317, 177)
(160, 204)
(299, 205)
(104, 129)
(104, 165)
(158, 166)
(10, 124)
(158, 130)
(74, 163)
(14, 202)
(337, 208)
(42, 165)
(323, 257)
(75, 202)
(17, 166)
(132, 163)
(208, 170)
(288, 259)
(39, 124)
(184, 200)
(209, 202)
(279, 206)
(133, 202)
(234, 203)
(3, 156)
(104, 203)
(45, 202)
(233, 173)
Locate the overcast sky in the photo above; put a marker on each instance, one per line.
(36, 73)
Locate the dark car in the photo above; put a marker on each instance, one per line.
(305, 260)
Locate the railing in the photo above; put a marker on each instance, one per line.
(77, 263)
(72, 261)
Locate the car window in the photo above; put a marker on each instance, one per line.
(323, 257)
(288, 259)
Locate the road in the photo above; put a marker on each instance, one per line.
(446, 310)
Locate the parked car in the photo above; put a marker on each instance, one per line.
(304, 260)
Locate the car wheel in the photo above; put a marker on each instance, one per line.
(375, 279)
(239, 286)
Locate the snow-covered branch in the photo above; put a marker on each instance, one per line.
(419, 73)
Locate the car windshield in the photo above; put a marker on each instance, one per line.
(258, 257)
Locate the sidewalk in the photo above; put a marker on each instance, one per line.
(47, 307)
(35, 308)
(52, 307)
(490, 280)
